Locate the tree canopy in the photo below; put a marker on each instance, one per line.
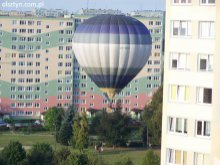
(152, 118)
(53, 118)
(114, 128)
(65, 133)
(80, 137)
(13, 153)
(40, 154)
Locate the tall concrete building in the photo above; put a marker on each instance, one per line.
(38, 69)
(191, 119)
(35, 64)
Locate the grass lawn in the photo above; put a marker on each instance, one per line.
(136, 155)
(110, 155)
(27, 140)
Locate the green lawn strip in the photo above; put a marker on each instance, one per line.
(109, 154)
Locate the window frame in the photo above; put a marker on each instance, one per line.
(177, 94)
(200, 30)
(195, 158)
(202, 129)
(178, 54)
(207, 4)
(209, 61)
(180, 28)
(180, 3)
(198, 96)
(184, 125)
(173, 161)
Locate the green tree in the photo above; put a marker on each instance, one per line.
(115, 128)
(60, 156)
(83, 137)
(65, 132)
(77, 159)
(151, 158)
(13, 153)
(152, 118)
(53, 118)
(75, 130)
(80, 138)
(95, 122)
(144, 134)
(40, 154)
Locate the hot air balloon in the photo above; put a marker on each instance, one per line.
(112, 49)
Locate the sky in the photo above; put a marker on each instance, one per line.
(74, 5)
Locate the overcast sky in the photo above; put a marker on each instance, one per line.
(74, 5)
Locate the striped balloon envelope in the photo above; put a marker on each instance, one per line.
(112, 49)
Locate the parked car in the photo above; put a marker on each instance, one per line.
(3, 124)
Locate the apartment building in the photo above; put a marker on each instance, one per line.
(38, 69)
(190, 133)
(90, 12)
(137, 94)
(40, 12)
(35, 64)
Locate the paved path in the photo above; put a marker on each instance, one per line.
(25, 147)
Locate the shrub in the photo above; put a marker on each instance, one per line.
(40, 154)
(60, 157)
(13, 153)
(77, 159)
(151, 158)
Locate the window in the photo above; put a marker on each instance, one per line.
(14, 22)
(177, 125)
(158, 23)
(157, 31)
(181, 28)
(179, 61)
(14, 30)
(203, 128)
(38, 31)
(176, 157)
(69, 23)
(201, 159)
(204, 95)
(83, 93)
(62, 24)
(207, 2)
(151, 23)
(205, 62)
(181, 2)
(38, 23)
(206, 29)
(179, 93)
(157, 46)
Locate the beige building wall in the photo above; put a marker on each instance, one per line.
(189, 146)
(215, 151)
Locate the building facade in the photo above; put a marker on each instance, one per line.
(35, 64)
(38, 69)
(191, 83)
(90, 12)
(50, 12)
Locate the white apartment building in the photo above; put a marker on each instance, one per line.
(97, 11)
(191, 108)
